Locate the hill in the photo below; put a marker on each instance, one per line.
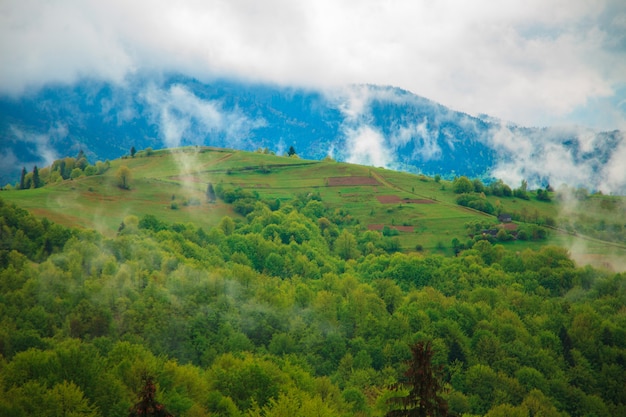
(371, 125)
(419, 213)
(267, 294)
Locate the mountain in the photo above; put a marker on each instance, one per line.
(366, 124)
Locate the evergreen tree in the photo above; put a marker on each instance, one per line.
(210, 193)
(133, 151)
(23, 179)
(148, 405)
(291, 151)
(36, 179)
(424, 385)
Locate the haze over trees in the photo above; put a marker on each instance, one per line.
(290, 307)
(282, 311)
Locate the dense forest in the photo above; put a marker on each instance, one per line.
(285, 313)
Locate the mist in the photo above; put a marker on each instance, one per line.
(537, 63)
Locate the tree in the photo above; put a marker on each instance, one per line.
(23, 179)
(76, 173)
(148, 405)
(133, 151)
(36, 179)
(462, 185)
(423, 382)
(123, 177)
(291, 151)
(346, 246)
(210, 193)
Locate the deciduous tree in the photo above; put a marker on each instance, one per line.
(123, 177)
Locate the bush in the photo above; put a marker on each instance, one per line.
(476, 202)
(462, 185)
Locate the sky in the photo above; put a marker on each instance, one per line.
(531, 62)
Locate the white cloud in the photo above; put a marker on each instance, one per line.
(572, 156)
(426, 141)
(41, 143)
(533, 62)
(613, 176)
(185, 119)
(366, 146)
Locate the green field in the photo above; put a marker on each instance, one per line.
(172, 184)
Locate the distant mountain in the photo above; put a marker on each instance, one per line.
(372, 125)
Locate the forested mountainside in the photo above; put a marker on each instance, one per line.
(365, 124)
(282, 312)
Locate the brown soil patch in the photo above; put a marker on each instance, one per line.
(509, 226)
(394, 199)
(248, 185)
(379, 227)
(348, 181)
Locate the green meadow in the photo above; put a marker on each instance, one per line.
(172, 185)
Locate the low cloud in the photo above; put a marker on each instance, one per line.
(185, 119)
(425, 141)
(578, 157)
(532, 62)
(366, 146)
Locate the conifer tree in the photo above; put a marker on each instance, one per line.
(210, 193)
(36, 179)
(23, 179)
(423, 382)
(148, 405)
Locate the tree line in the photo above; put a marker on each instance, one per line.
(283, 311)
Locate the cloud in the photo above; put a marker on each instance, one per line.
(366, 146)
(185, 119)
(40, 144)
(613, 176)
(37, 149)
(574, 156)
(425, 141)
(533, 62)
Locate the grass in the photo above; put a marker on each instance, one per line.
(170, 179)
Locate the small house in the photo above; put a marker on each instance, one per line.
(505, 218)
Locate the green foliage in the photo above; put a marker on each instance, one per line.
(297, 308)
(123, 177)
(476, 202)
(462, 185)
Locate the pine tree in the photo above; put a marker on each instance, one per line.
(23, 179)
(133, 151)
(36, 179)
(291, 151)
(424, 385)
(148, 405)
(210, 193)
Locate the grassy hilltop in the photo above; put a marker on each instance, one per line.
(420, 212)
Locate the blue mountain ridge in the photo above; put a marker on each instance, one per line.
(373, 125)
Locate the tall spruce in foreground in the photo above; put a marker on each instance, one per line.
(148, 405)
(423, 382)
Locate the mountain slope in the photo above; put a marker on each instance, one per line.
(371, 125)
